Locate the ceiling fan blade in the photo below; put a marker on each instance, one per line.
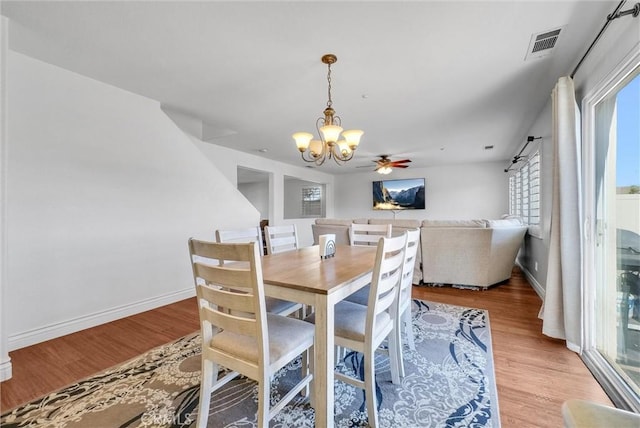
(402, 161)
(400, 166)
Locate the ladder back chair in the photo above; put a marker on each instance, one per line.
(237, 332)
(250, 234)
(402, 310)
(254, 234)
(363, 328)
(368, 234)
(281, 238)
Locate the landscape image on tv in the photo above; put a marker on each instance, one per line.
(399, 194)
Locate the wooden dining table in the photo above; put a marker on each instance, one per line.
(303, 276)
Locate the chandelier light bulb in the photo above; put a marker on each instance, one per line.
(315, 147)
(302, 140)
(352, 137)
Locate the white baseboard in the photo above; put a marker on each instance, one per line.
(52, 331)
(5, 369)
(532, 280)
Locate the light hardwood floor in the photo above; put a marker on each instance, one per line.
(534, 374)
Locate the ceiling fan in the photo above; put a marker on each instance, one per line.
(384, 165)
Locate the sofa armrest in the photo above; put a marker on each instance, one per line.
(505, 244)
(455, 255)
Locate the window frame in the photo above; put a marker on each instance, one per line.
(311, 202)
(525, 192)
(621, 394)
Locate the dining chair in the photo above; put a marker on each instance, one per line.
(254, 234)
(250, 234)
(237, 332)
(281, 238)
(363, 328)
(402, 310)
(368, 234)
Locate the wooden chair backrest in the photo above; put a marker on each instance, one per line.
(387, 273)
(236, 236)
(368, 234)
(410, 254)
(281, 238)
(250, 234)
(230, 296)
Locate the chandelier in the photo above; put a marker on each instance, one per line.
(329, 128)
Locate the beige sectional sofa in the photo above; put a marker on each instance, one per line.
(476, 253)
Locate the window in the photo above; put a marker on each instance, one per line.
(524, 191)
(303, 199)
(611, 250)
(311, 202)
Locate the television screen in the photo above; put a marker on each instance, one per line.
(399, 194)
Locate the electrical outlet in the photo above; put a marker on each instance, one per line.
(535, 266)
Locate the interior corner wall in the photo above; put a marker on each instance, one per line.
(463, 191)
(228, 161)
(621, 38)
(535, 248)
(103, 192)
(258, 194)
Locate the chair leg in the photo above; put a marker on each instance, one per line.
(395, 355)
(408, 328)
(311, 386)
(304, 370)
(264, 403)
(370, 388)
(209, 370)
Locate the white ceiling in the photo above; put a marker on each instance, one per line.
(433, 81)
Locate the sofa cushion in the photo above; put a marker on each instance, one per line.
(455, 223)
(507, 222)
(404, 224)
(334, 221)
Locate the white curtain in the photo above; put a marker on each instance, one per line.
(561, 310)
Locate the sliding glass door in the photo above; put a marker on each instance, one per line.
(612, 287)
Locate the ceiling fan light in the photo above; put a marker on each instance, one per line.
(384, 170)
(302, 140)
(330, 133)
(352, 137)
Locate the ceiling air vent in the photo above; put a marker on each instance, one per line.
(542, 44)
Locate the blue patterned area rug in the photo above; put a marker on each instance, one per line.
(449, 382)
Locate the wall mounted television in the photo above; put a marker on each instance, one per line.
(403, 194)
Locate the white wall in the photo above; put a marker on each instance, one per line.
(103, 193)
(293, 199)
(5, 360)
(463, 191)
(228, 160)
(258, 194)
(621, 37)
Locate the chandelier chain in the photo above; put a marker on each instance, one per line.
(329, 101)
